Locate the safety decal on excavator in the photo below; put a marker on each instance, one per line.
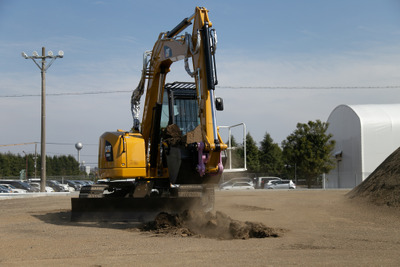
(108, 151)
(167, 52)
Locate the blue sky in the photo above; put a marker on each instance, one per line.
(264, 45)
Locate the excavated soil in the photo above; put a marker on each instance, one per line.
(382, 187)
(322, 228)
(206, 224)
(173, 135)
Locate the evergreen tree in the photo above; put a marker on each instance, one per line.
(252, 154)
(271, 161)
(11, 165)
(309, 148)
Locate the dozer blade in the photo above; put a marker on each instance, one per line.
(129, 209)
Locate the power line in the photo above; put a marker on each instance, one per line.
(58, 144)
(67, 94)
(223, 87)
(21, 144)
(310, 87)
(69, 144)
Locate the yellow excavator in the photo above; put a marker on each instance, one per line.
(173, 159)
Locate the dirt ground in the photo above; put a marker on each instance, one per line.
(319, 227)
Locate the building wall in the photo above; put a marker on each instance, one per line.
(344, 124)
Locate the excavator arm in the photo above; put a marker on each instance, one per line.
(200, 47)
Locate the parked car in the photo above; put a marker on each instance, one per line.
(37, 186)
(13, 188)
(67, 187)
(73, 184)
(270, 183)
(239, 186)
(56, 186)
(4, 189)
(263, 181)
(281, 184)
(83, 182)
(20, 185)
(236, 180)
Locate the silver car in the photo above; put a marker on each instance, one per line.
(280, 184)
(239, 186)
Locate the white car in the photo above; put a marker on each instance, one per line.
(70, 189)
(280, 184)
(236, 180)
(239, 186)
(37, 185)
(271, 182)
(263, 181)
(14, 189)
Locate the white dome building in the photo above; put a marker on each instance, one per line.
(365, 136)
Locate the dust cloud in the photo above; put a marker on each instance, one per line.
(192, 223)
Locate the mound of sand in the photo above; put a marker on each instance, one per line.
(202, 224)
(382, 187)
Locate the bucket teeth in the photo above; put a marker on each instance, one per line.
(92, 191)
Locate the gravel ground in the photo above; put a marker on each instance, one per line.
(319, 227)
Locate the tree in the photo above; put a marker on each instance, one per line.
(11, 165)
(252, 154)
(309, 148)
(271, 161)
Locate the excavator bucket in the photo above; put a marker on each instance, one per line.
(95, 209)
(128, 209)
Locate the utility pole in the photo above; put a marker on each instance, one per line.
(43, 68)
(26, 165)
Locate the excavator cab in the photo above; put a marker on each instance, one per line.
(180, 106)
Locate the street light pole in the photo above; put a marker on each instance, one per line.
(43, 68)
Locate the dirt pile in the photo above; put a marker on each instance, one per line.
(202, 224)
(382, 187)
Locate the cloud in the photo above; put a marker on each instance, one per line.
(355, 68)
(277, 111)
